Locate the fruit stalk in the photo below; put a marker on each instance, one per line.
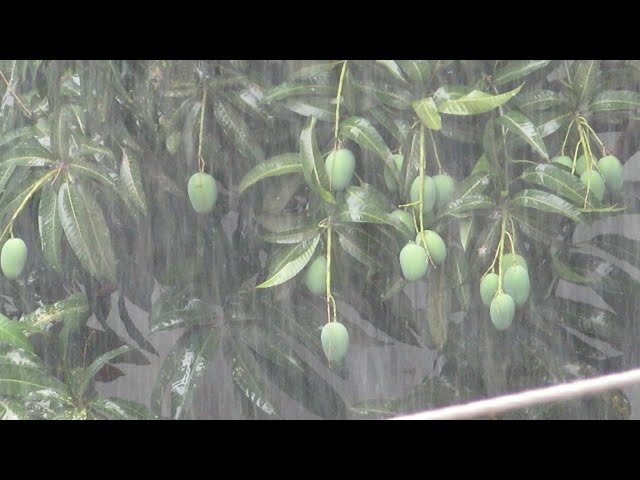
(435, 150)
(330, 301)
(201, 134)
(338, 97)
(422, 169)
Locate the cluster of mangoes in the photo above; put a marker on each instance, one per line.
(606, 172)
(514, 292)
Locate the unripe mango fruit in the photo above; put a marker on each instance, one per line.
(203, 192)
(429, 193)
(502, 310)
(612, 171)
(563, 160)
(436, 247)
(581, 164)
(413, 262)
(339, 166)
(511, 259)
(516, 283)
(335, 341)
(445, 187)
(488, 287)
(595, 182)
(13, 258)
(315, 277)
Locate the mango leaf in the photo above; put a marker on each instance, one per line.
(565, 272)
(102, 174)
(394, 69)
(132, 179)
(361, 204)
(18, 133)
(90, 147)
(611, 100)
(179, 307)
(466, 204)
(59, 133)
(115, 408)
(450, 92)
(248, 377)
(427, 112)
(20, 381)
(92, 370)
(311, 107)
(559, 181)
(278, 165)
(552, 121)
(236, 130)
(364, 134)
(584, 79)
(621, 247)
(519, 124)
(396, 98)
(547, 202)
(312, 164)
(418, 71)
(26, 157)
(476, 102)
(290, 262)
(6, 171)
(50, 228)
(317, 70)
(12, 332)
(269, 344)
(183, 369)
(534, 100)
(289, 89)
(295, 235)
(73, 309)
(85, 227)
(394, 125)
(355, 242)
(474, 184)
(540, 227)
(515, 69)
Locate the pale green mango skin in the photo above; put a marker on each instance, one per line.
(436, 247)
(510, 259)
(429, 195)
(502, 310)
(516, 284)
(445, 187)
(335, 341)
(489, 287)
(203, 192)
(596, 185)
(404, 217)
(581, 164)
(612, 171)
(13, 258)
(413, 262)
(563, 160)
(339, 166)
(315, 278)
(389, 180)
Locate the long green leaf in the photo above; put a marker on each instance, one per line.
(418, 71)
(516, 69)
(102, 174)
(184, 368)
(12, 332)
(26, 157)
(354, 242)
(16, 134)
(291, 263)
(519, 124)
(394, 69)
(289, 89)
(534, 100)
(319, 107)
(561, 182)
(91, 371)
(364, 134)
(363, 205)
(394, 124)
(73, 309)
(85, 228)
(476, 102)
(584, 79)
(547, 202)
(312, 164)
(179, 307)
(116, 408)
(50, 228)
(131, 179)
(623, 248)
(295, 235)
(278, 165)
(427, 112)
(466, 204)
(22, 381)
(237, 131)
(611, 100)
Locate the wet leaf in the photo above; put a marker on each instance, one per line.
(50, 228)
(74, 309)
(584, 79)
(519, 124)
(85, 228)
(12, 332)
(427, 111)
(290, 262)
(364, 134)
(179, 307)
(115, 408)
(547, 202)
(559, 181)
(612, 100)
(237, 131)
(418, 71)
(312, 164)
(516, 69)
(289, 89)
(131, 179)
(91, 371)
(278, 165)
(476, 102)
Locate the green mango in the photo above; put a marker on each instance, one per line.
(339, 166)
(489, 287)
(335, 341)
(413, 262)
(315, 278)
(13, 258)
(203, 192)
(502, 310)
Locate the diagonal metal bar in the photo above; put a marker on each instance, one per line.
(555, 393)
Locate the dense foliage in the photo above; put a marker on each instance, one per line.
(246, 204)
